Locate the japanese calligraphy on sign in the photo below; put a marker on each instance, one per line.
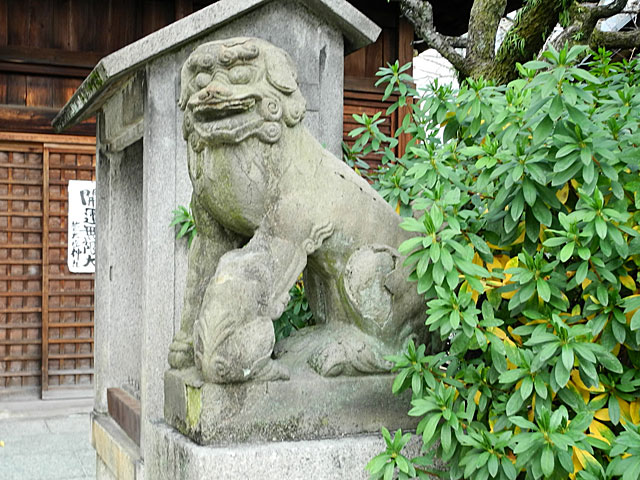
(81, 250)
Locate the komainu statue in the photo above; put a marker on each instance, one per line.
(269, 203)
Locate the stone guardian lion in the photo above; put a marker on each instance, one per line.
(269, 203)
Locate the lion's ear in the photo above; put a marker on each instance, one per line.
(281, 72)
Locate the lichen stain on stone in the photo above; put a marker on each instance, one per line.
(194, 406)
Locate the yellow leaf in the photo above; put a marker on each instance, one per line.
(583, 393)
(508, 295)
(577, 466)
(517, 338)
(496, 247)
(520, 238)
(533, 408)
(603, 414)
(511, 263)
(575, 376)
(628, 282)
(398, 207)
(585, 283)
(563, 194)
(597, 398)
(477, 260)
(498, 332)
(634, 410)
(583, 458)
(601, 431)
(498, 262)
(476, 397)
(491, 424)
(625, 410)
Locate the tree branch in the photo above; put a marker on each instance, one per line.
(611, 40)
(483, 26)
(525, 38)
(420, 14)
(604, 11)
(461, 41)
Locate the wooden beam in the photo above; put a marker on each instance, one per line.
(363, 84)
(44, 382)
(38, 138)
(14, 118)
(405, 43)
(125, 410)
(50, 56)
(405, 55)
(46, 70)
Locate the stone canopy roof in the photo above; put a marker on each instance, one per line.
(116, 68)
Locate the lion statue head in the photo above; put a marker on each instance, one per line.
(238, 88)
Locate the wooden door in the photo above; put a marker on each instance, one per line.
(46, 312)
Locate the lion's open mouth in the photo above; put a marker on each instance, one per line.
(210, 112)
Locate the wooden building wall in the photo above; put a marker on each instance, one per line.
(47, 47)
(360, 67)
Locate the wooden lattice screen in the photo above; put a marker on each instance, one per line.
(20, 264)
(46, 312)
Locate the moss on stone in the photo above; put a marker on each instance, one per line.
(194, 406)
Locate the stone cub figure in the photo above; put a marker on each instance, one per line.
(270, 202)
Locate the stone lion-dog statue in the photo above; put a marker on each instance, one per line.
(270, 202)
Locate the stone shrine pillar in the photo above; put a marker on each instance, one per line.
(141, 177)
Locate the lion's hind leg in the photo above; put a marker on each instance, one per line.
(378, 319)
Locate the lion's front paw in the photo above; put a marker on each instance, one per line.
(181, 352)
(329, 360)
(353, 354)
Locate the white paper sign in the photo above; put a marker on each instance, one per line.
(81, 250)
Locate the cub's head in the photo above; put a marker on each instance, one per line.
(237, 88)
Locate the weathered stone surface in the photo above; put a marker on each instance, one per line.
(308, 406)
(175, 457)
(270, 202)
(118, 273)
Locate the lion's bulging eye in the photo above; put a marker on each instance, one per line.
(239, 75)
(202, 79)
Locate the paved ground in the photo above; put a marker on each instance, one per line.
(46, 440)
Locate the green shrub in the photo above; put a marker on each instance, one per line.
(183, 219)
(525, 206)
(297, 315)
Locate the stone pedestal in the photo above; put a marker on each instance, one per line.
(304, 408)
(175, 457)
